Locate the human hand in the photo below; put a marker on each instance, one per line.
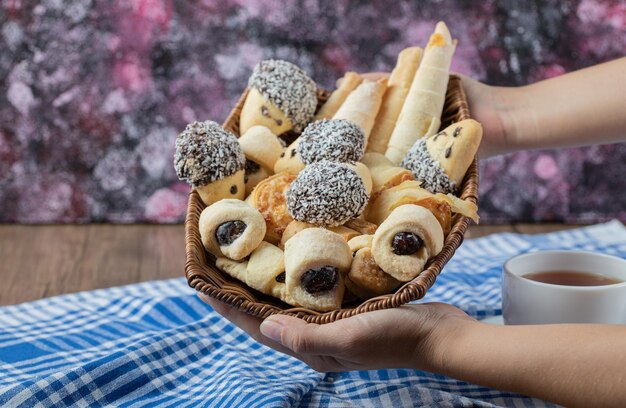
(410, 336)
(490, 106)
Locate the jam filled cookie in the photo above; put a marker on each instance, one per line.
(210, 159)
(231, 228)
(440, 161)
(281, 97)
(366, 279)
(336, 140)
(316, 262)
(326, 193)
(262, 148)
(406, 240)
(269, 198)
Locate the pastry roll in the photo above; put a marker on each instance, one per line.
(231, 228)
(441, 161)
(210, 159)
(410, 192)
(264, 271)
(296, 226)
(262, 150)
(360, 242)
(316, 262)
(361, 226)
(384, 174)
(281, 97)
(421, 113)
(397, 89)
(406, 240)
(350, 81)
(269, 198)
(327, 194)
(362, 105)
(366, 279)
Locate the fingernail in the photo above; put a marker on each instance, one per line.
(272, 329)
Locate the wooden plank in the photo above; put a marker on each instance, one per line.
(477, 231)
(542, 228)
(40, 261)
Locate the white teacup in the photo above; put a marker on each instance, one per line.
(525, 301)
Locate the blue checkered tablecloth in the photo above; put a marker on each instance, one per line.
(157, 344)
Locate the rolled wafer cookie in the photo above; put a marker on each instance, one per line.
(397, 89)
(362, 105)
(350, 81)
(421, 113)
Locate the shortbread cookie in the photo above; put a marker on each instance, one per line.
(363, 172)
(210, 159)
(336, 140)
(406, 240)
(231, 228)
(316, 262)
(281, 97)
(262, 149)
(290, 161)
(326, 193)
(441, 161)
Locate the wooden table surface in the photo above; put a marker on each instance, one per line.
(48, 260)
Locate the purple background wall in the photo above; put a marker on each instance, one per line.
(93, 93)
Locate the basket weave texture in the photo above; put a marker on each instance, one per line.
(203, 275)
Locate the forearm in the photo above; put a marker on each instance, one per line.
(580, 108)
(573, 365)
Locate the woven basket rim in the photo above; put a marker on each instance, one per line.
(204, 276)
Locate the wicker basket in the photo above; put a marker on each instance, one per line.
(204, 276)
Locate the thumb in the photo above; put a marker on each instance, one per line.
(299, 336)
